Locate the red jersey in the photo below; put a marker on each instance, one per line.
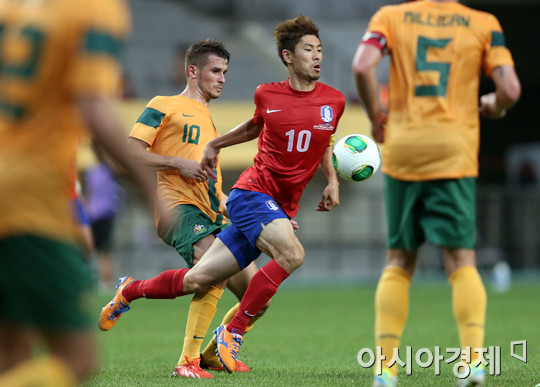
(297, 129)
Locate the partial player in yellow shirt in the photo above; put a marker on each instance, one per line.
(58, 71)
(430, 158)
(170, 137)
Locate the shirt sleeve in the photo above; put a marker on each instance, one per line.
(257, 116)
(380, 25)
(496, 52)
(332, 138)
(150, 122)
(101, 33)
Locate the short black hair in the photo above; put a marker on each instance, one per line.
(197, 53)
(288, 33)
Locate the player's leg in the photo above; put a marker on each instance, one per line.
(214, 262)
(44, 371)
(15, 346)
(238, 285)
(392, 303)
(191, 235)
(277, 240)
(258, 225)
(45, 286)
(71, 359)
(201, 312)
(451, 223)
(216, 265)
(392, 294)
(77, 349)
(171, 283)
(469, 304)
(469, 299)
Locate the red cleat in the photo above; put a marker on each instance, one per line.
(240, 367)
(191, 370)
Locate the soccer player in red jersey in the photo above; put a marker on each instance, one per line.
(295, 121)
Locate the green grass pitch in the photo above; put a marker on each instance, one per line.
(311, 337)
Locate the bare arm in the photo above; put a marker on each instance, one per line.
(103, 123)
(330, 197)
(506, 94)
(364, 67)
(188, 168)
(244, 132)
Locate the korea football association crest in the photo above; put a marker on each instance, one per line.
(327, 114)
(272, 205)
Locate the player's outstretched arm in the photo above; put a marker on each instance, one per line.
(102, 122)
(244, 132)
(188, 168)
(330, 197)
(364, 67)
(506, 94)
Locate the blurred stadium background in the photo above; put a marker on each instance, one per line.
(346, 245)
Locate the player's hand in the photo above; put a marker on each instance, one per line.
(193, 170)
(295, 225)
(209, 161)
(330, 198)
(377, 127)
(488, 106)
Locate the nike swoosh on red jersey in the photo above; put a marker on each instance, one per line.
(271, 111)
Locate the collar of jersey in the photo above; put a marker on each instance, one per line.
(290, 88)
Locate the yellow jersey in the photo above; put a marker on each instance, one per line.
(437, 51)
(50, 53)
(181, 127)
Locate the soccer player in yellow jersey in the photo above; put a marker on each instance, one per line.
(175, 130)
(58, 72)
(431, 138)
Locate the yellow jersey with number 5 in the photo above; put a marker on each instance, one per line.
(181, 127)
(438, 50)
(51, 52)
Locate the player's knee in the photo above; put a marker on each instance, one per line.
(297, 259)
(199, 287)
(194, 283)
(402, 258)
(292, 258)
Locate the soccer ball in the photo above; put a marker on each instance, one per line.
(356, 157)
